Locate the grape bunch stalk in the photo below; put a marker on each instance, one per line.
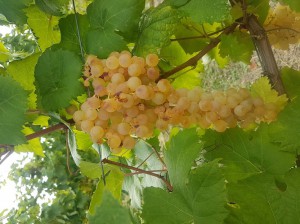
(130, 101)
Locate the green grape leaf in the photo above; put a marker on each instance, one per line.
(238, 46)
(91, 170)
(174, 55)
(56, 75)
(259, 8)
(291, 81)
(69, 35)
(114, 180)
(207, 11)
(44, 26)
(285, 130)
(23, 72)
(4, 53)
(83, 140)
(257, 199)
(42, 121)
(12, 112)
(263, 89)
(201, 201)
(247, 153)
(121, 15)
(52, 7)
(294, 4)
(106, 18)
(13, 10)
(180, 154)
(33, 145)
(102, 42)
(110, 211)
(191, 30)
(156, 27)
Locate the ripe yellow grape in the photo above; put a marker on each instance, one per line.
(134, 82)
(86, 125)
(152, 60)
(117, 78)
(152, 73)
(97, 134)
(142, 92)
(90, 114)
(125, 60)
(128, 142)
(112, 62)
(124, 128)
(220, 125)
(134, 69)
(94, 102)
(164, 85)
(114, 141)
(78, 116)
(97, 70)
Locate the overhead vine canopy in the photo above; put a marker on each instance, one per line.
(120, 82)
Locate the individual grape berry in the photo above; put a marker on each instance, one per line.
(112, 62)
(133, 83)
(97, 134)
(134, 69)
(152, 60)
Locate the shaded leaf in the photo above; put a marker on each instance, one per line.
(102, 42)
(12, 111)
(120, 15)
(258, 200)
(156, 27)
(52, 7)
(110, 211)
(13, 10)
(238, 46)
(69, 35)
(207, 11)
(57, 73)
(179, 156)
(201, 201)
(247, 153)
(294, 4)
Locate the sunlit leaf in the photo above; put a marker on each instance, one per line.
(44, 26)
(33, 145)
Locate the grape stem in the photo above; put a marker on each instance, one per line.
(194, 60)
(168, 184)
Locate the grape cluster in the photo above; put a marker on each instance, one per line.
(130, 101)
